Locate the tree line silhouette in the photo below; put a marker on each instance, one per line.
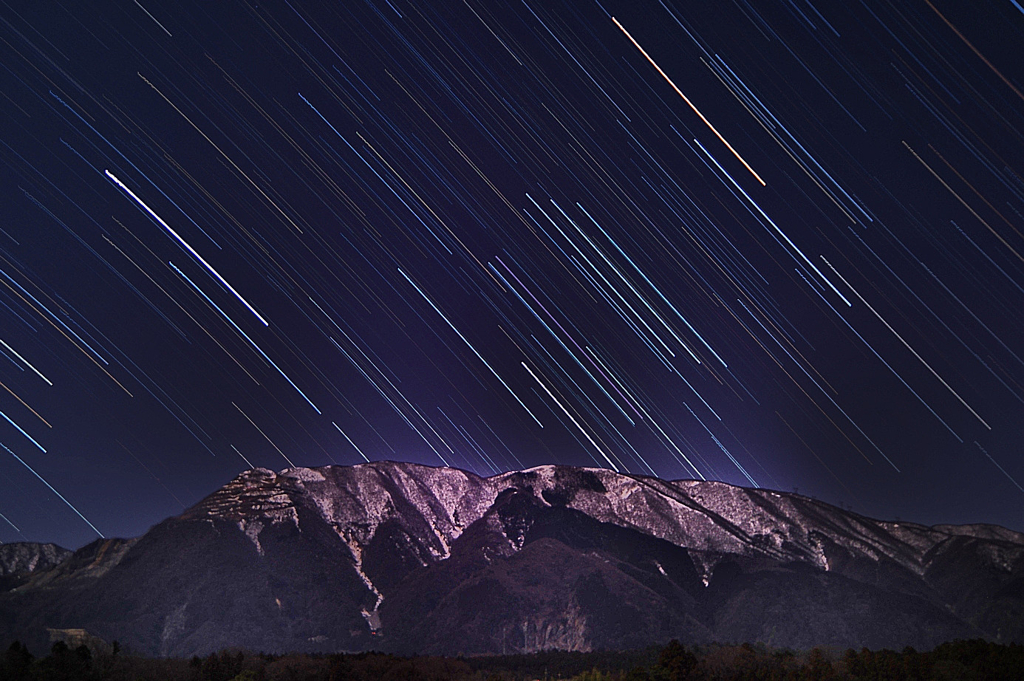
(974, 660)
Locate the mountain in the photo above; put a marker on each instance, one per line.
(24, 557)
(414, 559)
(18, 560)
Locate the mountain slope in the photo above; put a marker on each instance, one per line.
(410, 558)
(19, 560)
(23, 558)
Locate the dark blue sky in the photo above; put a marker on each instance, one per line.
(775, 243)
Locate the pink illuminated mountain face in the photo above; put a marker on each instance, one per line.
(411, 558)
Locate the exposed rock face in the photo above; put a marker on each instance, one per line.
(19, 560)
(410, 558)
(22, 558)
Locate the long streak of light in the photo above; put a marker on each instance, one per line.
(15, 352)
(244, 334)
(907, 345)
(43, 480)
(243, 457)
(185, 244)
(575, 422)
(470, 345)
(25, 404)
(8, 521)
(687, 100)
(153, 18)
(22, 431)
(1001, 469)
(966, 205)
(772, 223)
(267, 438)
(974, 49)
(350, 441)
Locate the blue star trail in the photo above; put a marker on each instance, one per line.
(777, 244)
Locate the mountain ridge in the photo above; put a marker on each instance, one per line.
(414, 558)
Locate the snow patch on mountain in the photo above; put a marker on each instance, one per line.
(371, 616)
(252, 530)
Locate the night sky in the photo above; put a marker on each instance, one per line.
(772, 243)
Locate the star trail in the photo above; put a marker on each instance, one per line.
(777, 244)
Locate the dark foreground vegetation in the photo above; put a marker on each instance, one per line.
(961, 660)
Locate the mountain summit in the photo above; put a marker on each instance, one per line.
(414, 559)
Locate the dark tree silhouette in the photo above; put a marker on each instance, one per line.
(678, 662)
